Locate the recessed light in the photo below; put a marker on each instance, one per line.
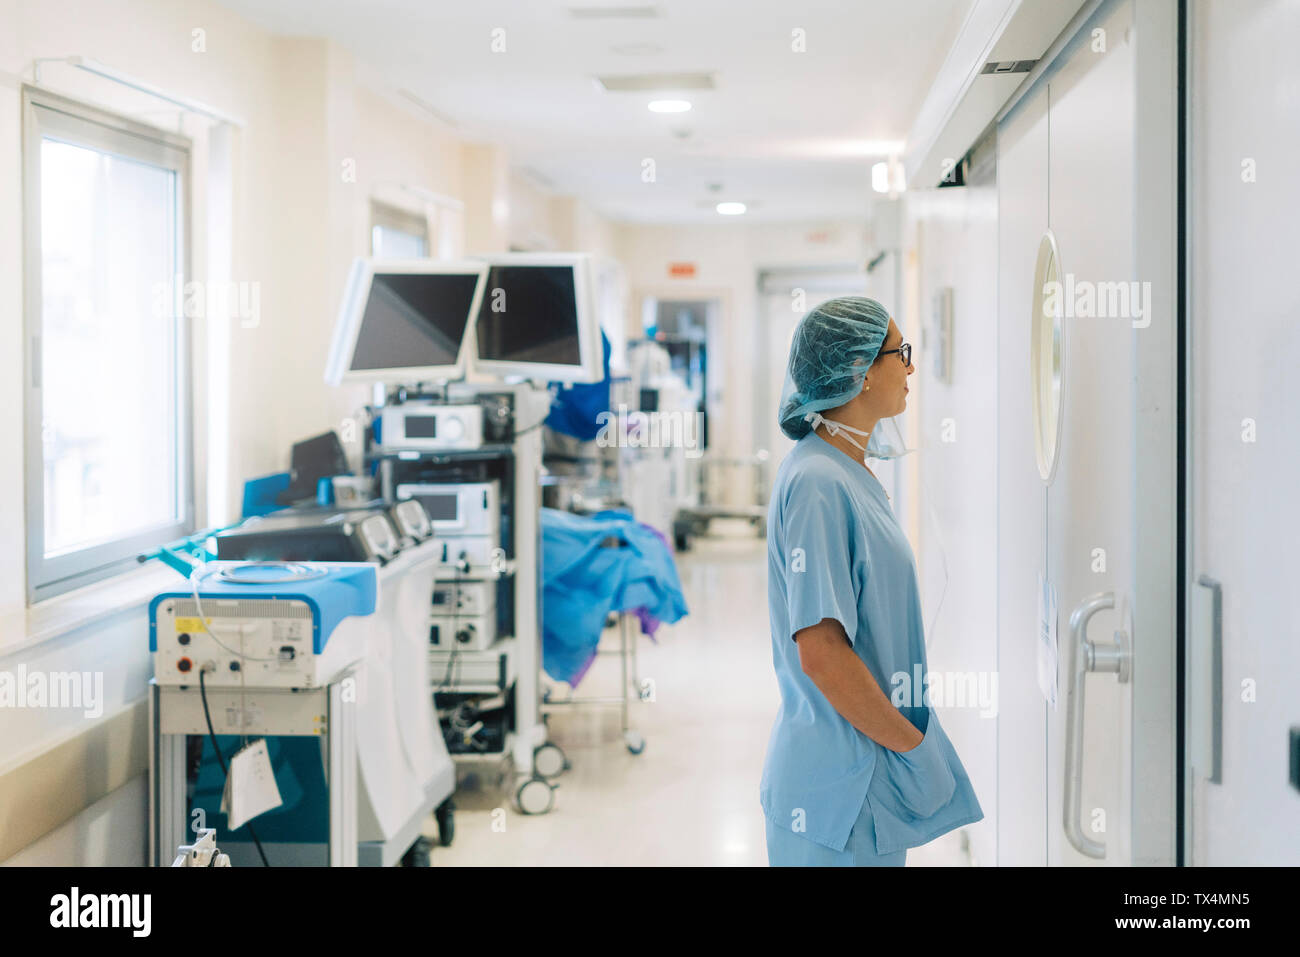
(669, 106)
(730, 209)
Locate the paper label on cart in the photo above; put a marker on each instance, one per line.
(190, 624)
(252, 715)
(250, 786)
(1047, 647)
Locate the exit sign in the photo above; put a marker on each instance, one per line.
(681, 270)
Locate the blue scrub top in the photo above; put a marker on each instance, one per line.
(836, 550)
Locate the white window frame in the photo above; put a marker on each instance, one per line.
(48, 114)
(401, 220)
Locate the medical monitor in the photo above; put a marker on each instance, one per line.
(404, 321)
(537, 318)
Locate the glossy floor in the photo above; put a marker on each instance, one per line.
(691, 797)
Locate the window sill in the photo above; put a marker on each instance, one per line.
(25, 627)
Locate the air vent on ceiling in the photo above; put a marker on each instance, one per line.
(653, 82)
(641, 12)
(1008, 66)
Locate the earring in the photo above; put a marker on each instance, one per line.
(866, 386)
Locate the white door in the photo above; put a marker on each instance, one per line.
(1086, 482)
(1242, 706)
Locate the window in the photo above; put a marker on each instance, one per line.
(109, 471)
(397, 234)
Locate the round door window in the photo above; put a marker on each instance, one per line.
(1046, 358)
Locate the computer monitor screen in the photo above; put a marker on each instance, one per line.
(537, 318)
(529, 314)
(413, 321)
(404, 321)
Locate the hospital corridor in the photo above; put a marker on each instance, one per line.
(636, 434)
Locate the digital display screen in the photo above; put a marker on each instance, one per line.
(412, 321)
(441, 508)
(421, 426)
(529, 314)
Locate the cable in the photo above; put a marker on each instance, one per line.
(451, 664)
(212, 736)
(195, 578)
(198, 575)
(538, 425)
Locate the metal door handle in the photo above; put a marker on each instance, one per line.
(1087, 656)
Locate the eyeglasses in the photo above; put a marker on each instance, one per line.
(904, 352)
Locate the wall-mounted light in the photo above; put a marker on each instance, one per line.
(887, 176)
(731, 209)
(669, 106)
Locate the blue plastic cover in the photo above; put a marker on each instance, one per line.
(345, 589)
(585, 576)
(575, 408)
(260, 493)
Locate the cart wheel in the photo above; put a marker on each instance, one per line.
(635, 741)
(445, 815)
(549, 761)
(535, 796)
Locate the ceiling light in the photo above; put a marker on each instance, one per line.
(887, 177)
(669, 106)
(730, 209)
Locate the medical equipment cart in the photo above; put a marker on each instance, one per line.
(265, 651)
(487, 437)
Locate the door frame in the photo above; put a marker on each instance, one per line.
(1159, 621)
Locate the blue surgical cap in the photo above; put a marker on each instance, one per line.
(832, 347)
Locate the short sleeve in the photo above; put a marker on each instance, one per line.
(816, 529)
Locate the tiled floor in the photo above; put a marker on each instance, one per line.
(691, 798)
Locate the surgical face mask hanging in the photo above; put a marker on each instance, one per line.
(835, 428)
(885, 441)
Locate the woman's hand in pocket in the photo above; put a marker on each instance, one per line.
(916, 743)
(920, 778)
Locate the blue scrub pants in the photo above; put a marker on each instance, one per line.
(787, 849)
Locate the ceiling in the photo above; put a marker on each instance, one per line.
(791, 134)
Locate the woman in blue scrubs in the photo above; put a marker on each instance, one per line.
(852, 778)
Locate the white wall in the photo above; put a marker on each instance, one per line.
(114, 832)
(952, 233)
